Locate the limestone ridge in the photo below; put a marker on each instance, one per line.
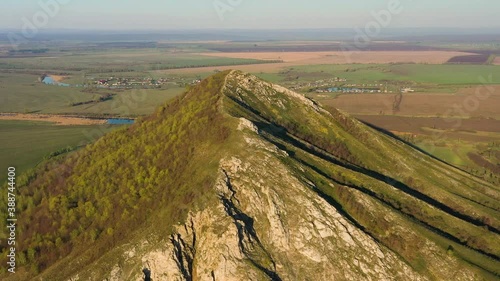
(295, 192)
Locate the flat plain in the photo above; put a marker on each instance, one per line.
(420, 75)
(55, 119)
(423, 104)
(441, 89)
(348, 57)
(27, 143)
(292, 59)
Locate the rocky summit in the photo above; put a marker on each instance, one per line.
(241, 179)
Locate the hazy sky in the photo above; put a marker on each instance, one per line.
(272, 14)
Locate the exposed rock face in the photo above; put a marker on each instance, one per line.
(255, 231)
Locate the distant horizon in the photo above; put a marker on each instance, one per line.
(389, 30)
(430, 28)
(471, 35)
(244, 14)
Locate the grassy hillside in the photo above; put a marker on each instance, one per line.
(148, 164)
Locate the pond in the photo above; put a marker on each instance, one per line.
(50, 81)
(120, 121)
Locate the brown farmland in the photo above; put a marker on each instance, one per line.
(291, 59)
(57, 119)
(339, 57)
(417, 124)
(252, 68)
(496, 61)
(476, 130)
(470, 59)
(480, 161)
(463, 104)
(318, 46)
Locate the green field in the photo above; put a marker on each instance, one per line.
(419, 73)
(25, 144)
(271, 77)
(451, 153)
(119, 60)
(22, 93)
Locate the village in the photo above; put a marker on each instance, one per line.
(118, 82)
(129, 83)
(339, 85)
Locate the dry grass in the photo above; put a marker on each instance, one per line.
(58, 120)
(496, 61)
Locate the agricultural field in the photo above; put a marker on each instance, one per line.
(318, 46)
(421, 104)
(472, 145)
(80, 67)
(348, 57)
(464, 129)
(117, 60)
(439, 124)
(417, 73)
(479, 158)
(23, 93)
(471, 59)
(61, 120)
(451, 113)
(292, 59)
(26, 143)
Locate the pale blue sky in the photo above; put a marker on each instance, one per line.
(258, 14)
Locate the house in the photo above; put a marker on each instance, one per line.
(407, 90)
